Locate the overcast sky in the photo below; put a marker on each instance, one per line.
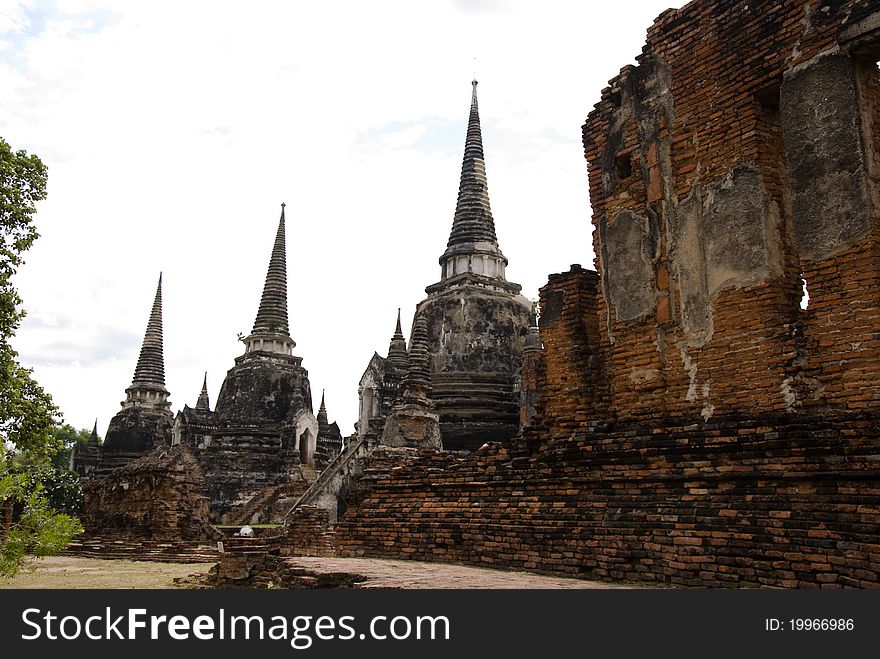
(174, 130)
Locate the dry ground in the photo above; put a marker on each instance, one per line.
(77, 572)
(81, 572)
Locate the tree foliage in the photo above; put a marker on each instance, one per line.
(38, 530)
(27, 414)
(61, 488)
(28, 418)
(66, 436)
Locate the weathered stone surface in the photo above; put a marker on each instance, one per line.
(157, 496)
(263, 389)
(820, 112)
(133, 432)
(412, 425)
(689, 267)
(475, 342)
(628, 251)
(741, 245)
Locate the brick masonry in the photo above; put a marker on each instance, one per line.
(761, 500)
(738, 158)
(693, 424)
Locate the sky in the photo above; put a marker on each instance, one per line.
(173, 131)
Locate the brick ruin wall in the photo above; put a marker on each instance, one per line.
(158, 497)
(740, 501)
(737, 158)
(693, 424)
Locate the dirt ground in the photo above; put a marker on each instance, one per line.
(81, 572)
(76, 572)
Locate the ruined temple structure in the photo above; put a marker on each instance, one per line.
(145, 420)
(256, 451)
(329, 442)
(476, 324)
(692, 422)
(413, 421)
(260, 442)
(380, 386)
(86, 456)
(687, 419)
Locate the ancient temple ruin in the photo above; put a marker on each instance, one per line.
(685, 419)
(691, 423)
(145, 420)
(476, 323)
(257, 449)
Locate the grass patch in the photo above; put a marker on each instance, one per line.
(80, 572)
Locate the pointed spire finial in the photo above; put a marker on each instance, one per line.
(94, 436)
(397, 355)
(203, 402)
(272, 314)
(473, 245)
(150, 368)
(419, 373)
(322, 412)
(148, 384)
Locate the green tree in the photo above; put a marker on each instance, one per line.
(61, 488)
(38, 530)
(67, 437)
(28, 417)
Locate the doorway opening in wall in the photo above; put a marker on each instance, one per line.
(305, 456)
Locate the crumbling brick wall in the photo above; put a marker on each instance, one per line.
(572, 387)
(308, 533)
(158, 496)
(738, 157)
(693, 424)
(748, 501)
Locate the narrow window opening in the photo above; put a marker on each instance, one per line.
(623, 167)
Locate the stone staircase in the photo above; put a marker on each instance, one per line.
(334, 468)
(258, 508)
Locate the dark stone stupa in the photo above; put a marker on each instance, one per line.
(145, 421)
(268, 383)
(477, 321)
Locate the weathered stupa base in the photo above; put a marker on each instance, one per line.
(412, 425)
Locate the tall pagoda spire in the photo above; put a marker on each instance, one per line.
(148, 385)
(203, 403)
(397, 354)
(419, 374)
(271, 332)
(473, 245)
(322, 411)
